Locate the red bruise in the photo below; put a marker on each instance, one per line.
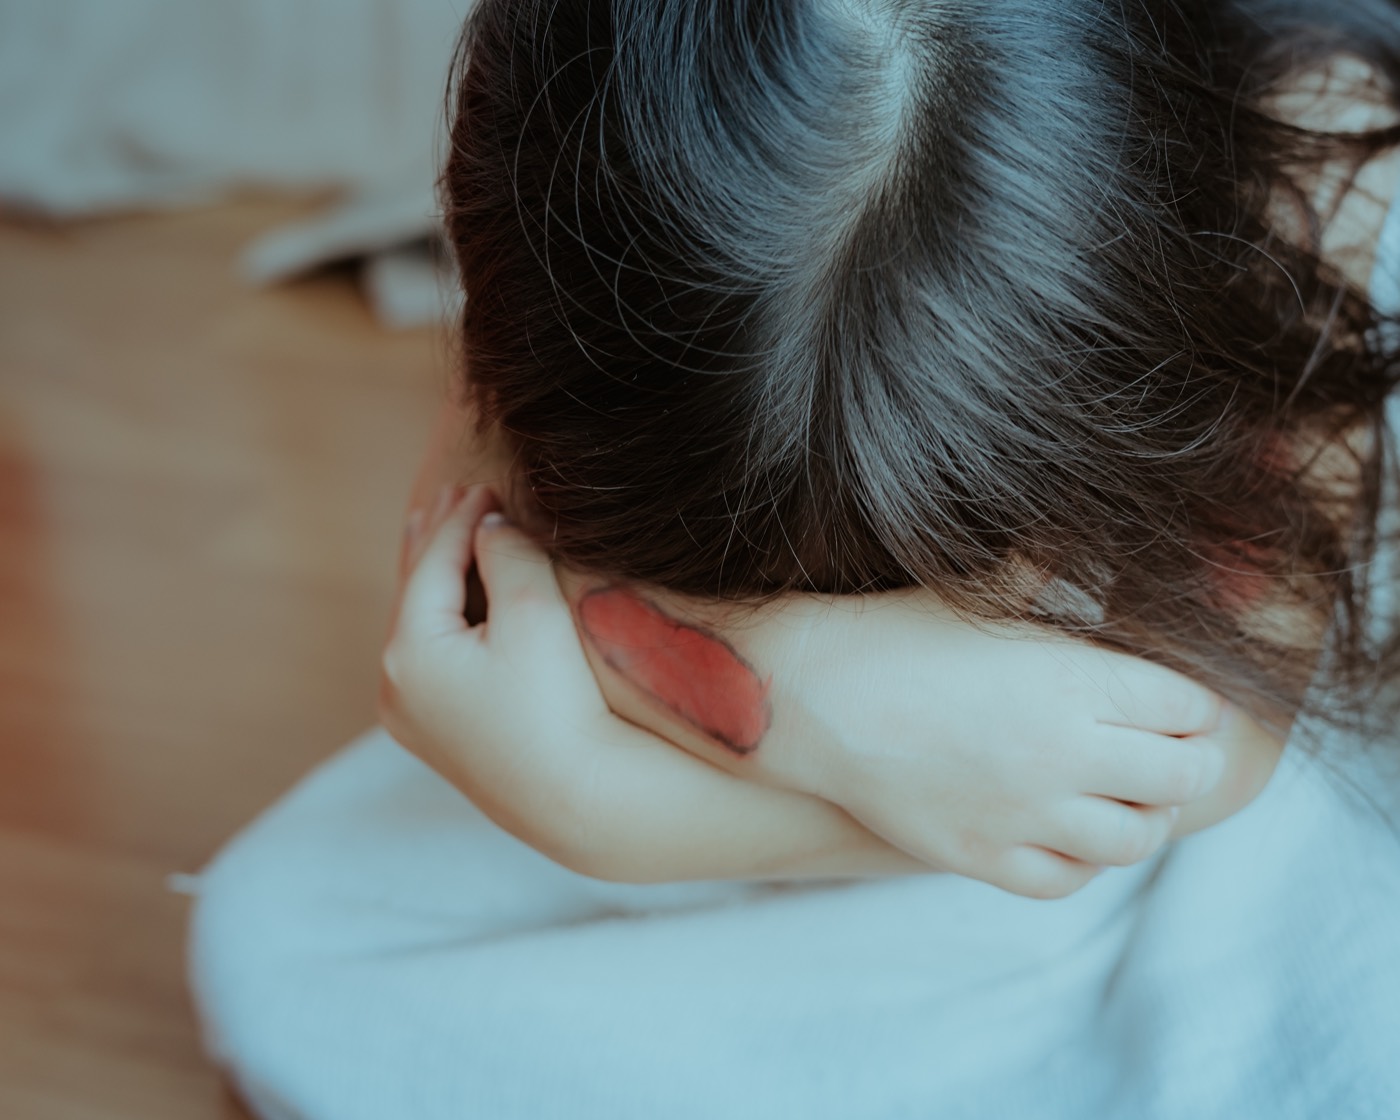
(695, 675)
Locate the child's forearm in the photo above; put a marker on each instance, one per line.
(647, 812)
(817, 720)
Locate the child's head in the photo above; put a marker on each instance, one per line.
(979, 295)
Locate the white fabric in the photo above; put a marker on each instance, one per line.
(374, 948)
(108, 106)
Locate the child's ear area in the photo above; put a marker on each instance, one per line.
(574, 586)
(673, 675)
(498, 459)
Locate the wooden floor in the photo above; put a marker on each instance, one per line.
(200, 492)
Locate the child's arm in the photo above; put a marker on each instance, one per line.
(510, 712)
(927, 728)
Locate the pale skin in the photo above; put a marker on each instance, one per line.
(901, 739)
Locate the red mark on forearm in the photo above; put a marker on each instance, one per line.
(695, 675)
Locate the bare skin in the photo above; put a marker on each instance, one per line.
(784, 642)
(1030, 797)
(896, 741)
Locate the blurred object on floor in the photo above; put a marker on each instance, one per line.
(200, 498)
(155, 103)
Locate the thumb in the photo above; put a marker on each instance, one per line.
(518, 577)
(435, 592)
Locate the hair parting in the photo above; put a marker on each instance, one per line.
(992, 297)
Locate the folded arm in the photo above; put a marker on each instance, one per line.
(888, 738)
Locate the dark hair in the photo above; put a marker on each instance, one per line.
(978, 295)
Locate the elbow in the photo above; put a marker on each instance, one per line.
(571, 832)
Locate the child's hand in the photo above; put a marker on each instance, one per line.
(1011, 758)
(1005, 754)
(510, 713)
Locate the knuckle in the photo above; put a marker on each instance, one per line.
(1141, 834)
(1084, 874)
(967, 850)
(1050, 885)
(1047, 878)
(1133, 845)
(1046, 888)
(1212, 710)
(1175, 711)
(1076, 876)
(1189, 775)
(1193, 710)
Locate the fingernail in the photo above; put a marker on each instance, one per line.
(494, 520)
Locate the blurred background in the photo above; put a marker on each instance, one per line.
(221, 347)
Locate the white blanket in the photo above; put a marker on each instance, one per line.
(373, 949)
